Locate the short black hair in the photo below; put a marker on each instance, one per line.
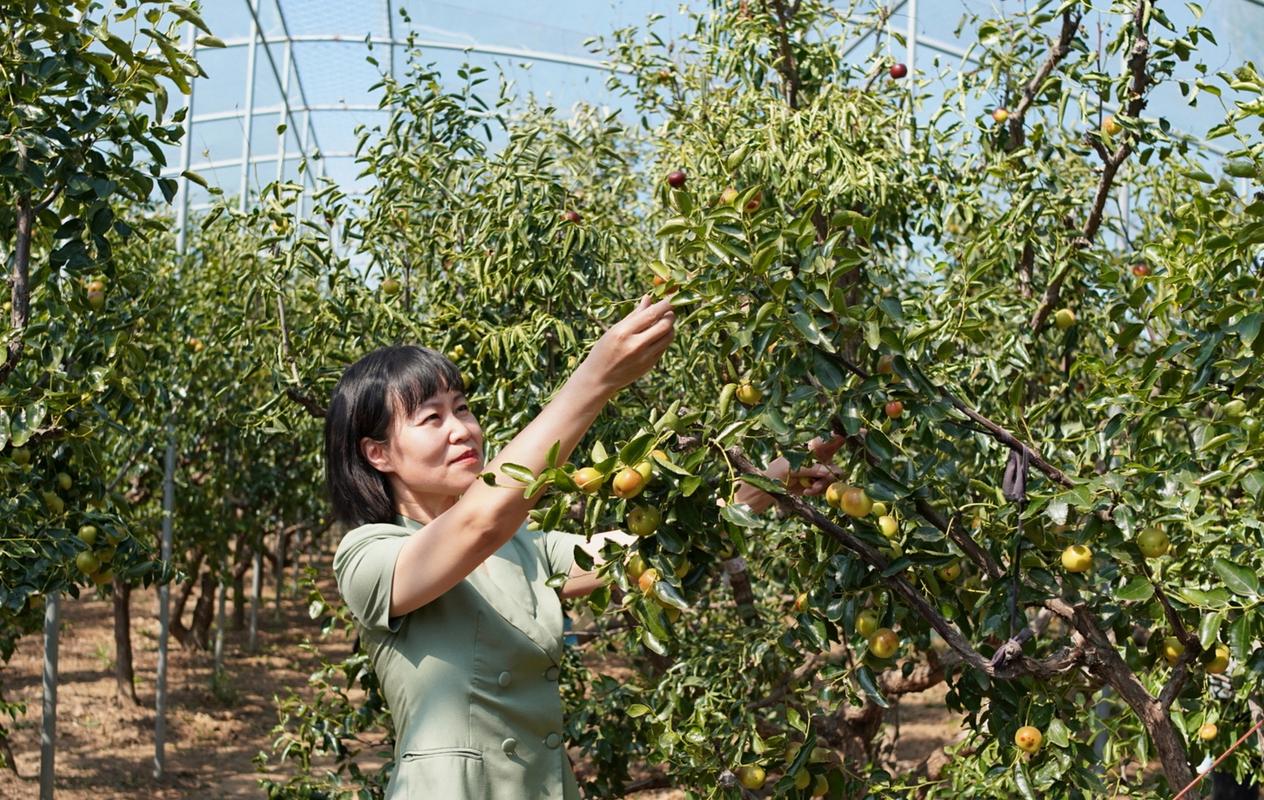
(369, 394)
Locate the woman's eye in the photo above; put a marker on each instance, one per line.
(463, 408)
(428, 418)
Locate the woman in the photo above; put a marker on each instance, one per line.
(441, 574)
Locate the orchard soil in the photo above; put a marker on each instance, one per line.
(105, 744)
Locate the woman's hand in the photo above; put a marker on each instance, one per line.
(631, 346)
(809, 480)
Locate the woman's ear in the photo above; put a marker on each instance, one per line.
(376, 453)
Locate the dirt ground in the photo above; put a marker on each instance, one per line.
(105, 746)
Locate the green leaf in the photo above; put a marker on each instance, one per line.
(673, 226)
(637, 710)
(738, 515)
(668, 594)
(865, 677)
(1057, 733)
(1237, 579)
(635, 451)
(518, 472)
(1022, 781)
(1136, 590)
(652, 643)
(1209, 628)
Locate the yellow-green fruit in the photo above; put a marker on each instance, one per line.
(644, 520)
(628, 483)
(636, 566)
(728, 196)
(54, 503)
(1064, 318)
(646, 469)
(866, 623)
(802, 780)
(88, 534)
(96, 300)
(1111, 126)
(1207, 731)
(1234, 409)
(1219, 662)
(883, 643)
(889, 526)
(390, 287)
(1028, 738)
(751, 777)
(682, 569)
(103, 577)
(21, 456)
(855, 502)
(588, 480)
(879, 509)
(821, 787)
(749, 394)
(949, 572)
(87, 562)
(648, 580)
(801, 601)
(1173, 649)
(64, 482)
(1153, 542)
(1077, 558)
(834, 493)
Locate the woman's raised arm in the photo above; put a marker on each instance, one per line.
(441, 554)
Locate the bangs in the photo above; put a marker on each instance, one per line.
(419, 375)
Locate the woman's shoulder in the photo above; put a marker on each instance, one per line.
(365, 534)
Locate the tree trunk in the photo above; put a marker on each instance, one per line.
(241, 564)
(204, 612)
(124, 675)
(176, 625)
(1158, 723)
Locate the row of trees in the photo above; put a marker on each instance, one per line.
(933, 267)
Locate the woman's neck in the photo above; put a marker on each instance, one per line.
(423, 508)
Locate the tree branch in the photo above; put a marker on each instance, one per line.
(293, 392)
(786, 64)
(1056, 664)
(1136, 102)
(21, 313)
(1057, 51)
(991, 428)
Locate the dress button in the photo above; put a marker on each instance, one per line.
(551, 673)
(509, 746)
(504, 679)
(554, 740)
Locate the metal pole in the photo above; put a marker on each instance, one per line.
(285, 102)
(910, 57)
(256, 587)
(164, 603)
(219, 627)
(280, 571)
(186, 151)
(301, 211)
(48, 730)
(250, 108)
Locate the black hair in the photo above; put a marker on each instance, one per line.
(386, 382)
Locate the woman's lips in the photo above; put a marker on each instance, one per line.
(468, 455)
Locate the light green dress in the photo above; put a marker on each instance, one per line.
(471, 678)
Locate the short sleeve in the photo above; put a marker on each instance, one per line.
(364, 567)
(559, 550)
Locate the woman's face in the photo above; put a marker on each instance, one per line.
(435, 452)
